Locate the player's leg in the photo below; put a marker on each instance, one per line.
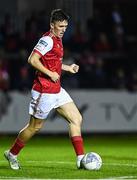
(30, 129)
(40, 106)
(71, 113)
(24, 135)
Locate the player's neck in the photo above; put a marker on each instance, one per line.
(54, 34)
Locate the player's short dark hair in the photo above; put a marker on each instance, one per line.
(58, 15)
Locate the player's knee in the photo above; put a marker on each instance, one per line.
(77, 120)
(34, 129)
(35, 125)
(37, 129)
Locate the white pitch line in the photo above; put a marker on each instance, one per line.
(120, 177)
(70, 162)
(127, 177)
(57, 162)
(120, 164)
(110, 178)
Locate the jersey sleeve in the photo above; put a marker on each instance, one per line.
(44, 45)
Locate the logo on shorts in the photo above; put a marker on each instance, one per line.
(38, 111)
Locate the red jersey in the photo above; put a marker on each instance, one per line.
(50, 48)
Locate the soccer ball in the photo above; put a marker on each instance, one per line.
(91, 161)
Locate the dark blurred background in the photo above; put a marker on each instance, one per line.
(101, 38)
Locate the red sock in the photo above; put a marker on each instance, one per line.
(77, 142)
(17, 146)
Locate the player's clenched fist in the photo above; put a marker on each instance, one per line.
(74, 68)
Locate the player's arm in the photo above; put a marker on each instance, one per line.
(73, 68)
(34, 60)
(44, 45)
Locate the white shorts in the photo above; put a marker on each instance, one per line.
(42, 103)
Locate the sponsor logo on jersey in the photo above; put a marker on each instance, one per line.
(42, 42)
(41, 45)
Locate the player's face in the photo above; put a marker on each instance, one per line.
(58, 28)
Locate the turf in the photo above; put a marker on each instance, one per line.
(52, 157)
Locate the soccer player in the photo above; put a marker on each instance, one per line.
(47, 93)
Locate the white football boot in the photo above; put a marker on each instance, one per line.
(12, 159)
(79, 158)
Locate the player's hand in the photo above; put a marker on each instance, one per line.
(73, 68)
(54, 76)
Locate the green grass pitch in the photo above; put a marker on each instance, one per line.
(52, 157)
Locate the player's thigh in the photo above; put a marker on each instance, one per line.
(70, 112)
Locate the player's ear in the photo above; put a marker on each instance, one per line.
(51, 25)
